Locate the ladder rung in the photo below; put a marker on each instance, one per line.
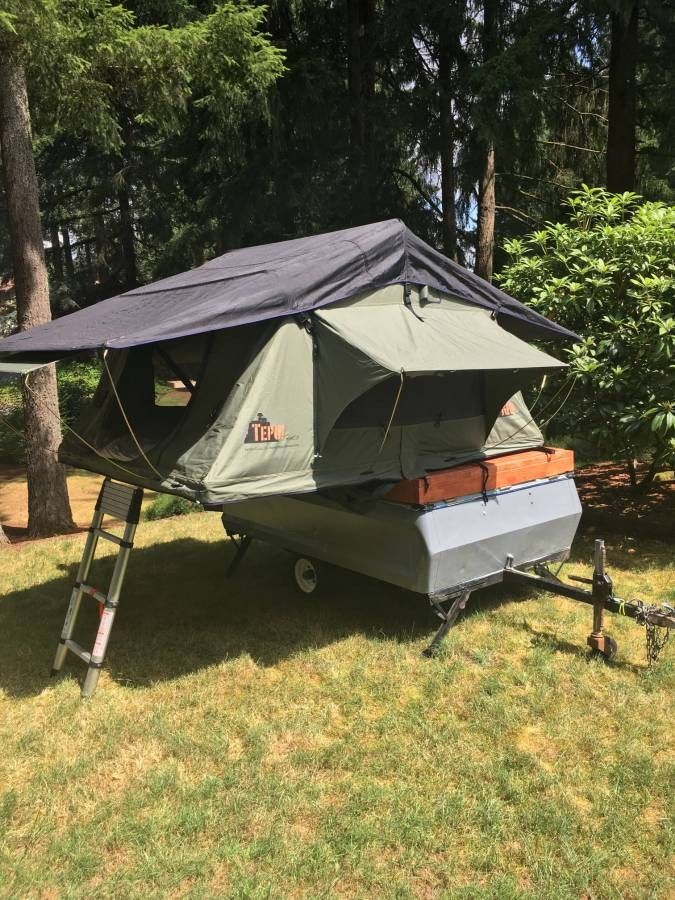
(78, 651)
(101, 532)
(92, 592)
(116, 510)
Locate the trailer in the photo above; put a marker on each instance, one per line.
(445, 549)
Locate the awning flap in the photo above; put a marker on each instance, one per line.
(439, 338)
(14, 366)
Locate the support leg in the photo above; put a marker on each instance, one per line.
(598, 640)
(238, 556)
(449, 618)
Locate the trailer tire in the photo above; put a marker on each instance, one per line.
(306, 575)
(610, 647)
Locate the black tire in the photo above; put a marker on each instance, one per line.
(610, 647)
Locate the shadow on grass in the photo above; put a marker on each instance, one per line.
(623, 552)
(552, 642)
(179, 614)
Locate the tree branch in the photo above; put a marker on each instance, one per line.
(420, 190)
(518, 214)
(559, 144)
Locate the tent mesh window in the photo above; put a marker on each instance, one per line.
(176, 371)
(424, 398)
(156, 387)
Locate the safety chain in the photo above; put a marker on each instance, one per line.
(656, 637)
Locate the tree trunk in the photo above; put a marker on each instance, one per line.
(68, 252)
(622, 100)
(485, 233)
(55, 253)
(87, 259)
(631, 466)
(127, 239)
(361, 83)
(448, 179)
(101, 255)
(48, 506)
(485, 227)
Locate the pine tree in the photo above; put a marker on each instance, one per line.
(87, 65)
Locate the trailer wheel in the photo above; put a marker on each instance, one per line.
(306, 575)
(610, 647)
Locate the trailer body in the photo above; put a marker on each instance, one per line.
(442, 549)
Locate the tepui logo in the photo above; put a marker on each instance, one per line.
(262, 431)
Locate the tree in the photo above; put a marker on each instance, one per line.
(622, 96)
(607, 274)
(48, 506)
(449, 53)
(88, 65)
(361, 83)
(386, 108)
(485, 228)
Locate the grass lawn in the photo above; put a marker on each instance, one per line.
(248, 741)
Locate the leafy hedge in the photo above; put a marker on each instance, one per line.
(166, 505)
(609, 275)
(77, 382)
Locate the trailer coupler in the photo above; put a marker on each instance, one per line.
(601, 598)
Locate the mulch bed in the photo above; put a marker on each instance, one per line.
(611, 504)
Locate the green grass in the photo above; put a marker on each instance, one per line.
(248, 741)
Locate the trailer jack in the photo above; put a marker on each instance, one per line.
(601, 598)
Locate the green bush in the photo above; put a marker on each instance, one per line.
(609, 275)
(166, 505)
(77, 382)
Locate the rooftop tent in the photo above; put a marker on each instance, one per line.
(329, 360)
(361, 391)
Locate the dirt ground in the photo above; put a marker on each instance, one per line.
(612, 505)
(83, 488)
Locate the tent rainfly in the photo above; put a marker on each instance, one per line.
(359, 355)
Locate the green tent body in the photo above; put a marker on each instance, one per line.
(390, 384)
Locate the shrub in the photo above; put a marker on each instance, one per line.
(609, 274)
(166, 505)
(77, 382)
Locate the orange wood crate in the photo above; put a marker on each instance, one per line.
(472, 478)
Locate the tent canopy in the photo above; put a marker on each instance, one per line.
(273, 281)
(363, 344)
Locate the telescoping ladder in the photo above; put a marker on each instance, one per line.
(123, 502)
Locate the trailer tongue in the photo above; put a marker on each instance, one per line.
(601, 597)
